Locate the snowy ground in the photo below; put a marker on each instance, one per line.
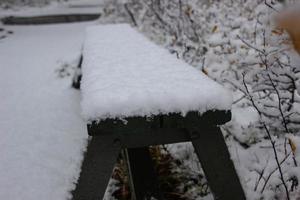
(42, 133)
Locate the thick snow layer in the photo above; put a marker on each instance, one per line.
(125, 74)
(42, 133)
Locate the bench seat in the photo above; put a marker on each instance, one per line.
(127, 75)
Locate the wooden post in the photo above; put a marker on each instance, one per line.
(100, 158)
(215, 160)
(143, 177)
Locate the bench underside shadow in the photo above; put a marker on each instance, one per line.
(112, 135)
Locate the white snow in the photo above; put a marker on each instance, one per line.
(124, 74)
(42, 133)
(217, 39)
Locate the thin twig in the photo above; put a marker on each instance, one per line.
(272, 172)
(270, 139)
(130, 14)
(270, 6)
(251, 46)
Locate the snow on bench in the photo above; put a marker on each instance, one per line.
(125, 75)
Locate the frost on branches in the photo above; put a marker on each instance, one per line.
(238, 44)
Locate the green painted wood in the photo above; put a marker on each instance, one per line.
(215, 160)
(141, 132)
(76, 82)
(144, 180)
(170, 122)
(162, 129)
(49, 19)
(97, 167)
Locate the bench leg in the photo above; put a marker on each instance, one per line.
(215, 159)
(96, 170)
(143, 178)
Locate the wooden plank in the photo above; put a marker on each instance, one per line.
(163, 129)
(76, 82)
(218, 167)
(49, 19)
(144, 181)
(170, 122)
(99, 160)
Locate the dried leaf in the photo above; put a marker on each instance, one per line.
(293, 145)
(189, 11)
(215, 28)
(278, 31)
(205, 71)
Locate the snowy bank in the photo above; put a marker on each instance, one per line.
(42, 133)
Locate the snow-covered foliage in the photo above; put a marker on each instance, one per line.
(237, 44)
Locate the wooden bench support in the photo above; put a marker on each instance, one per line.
(49, 19)
(111, 135)
(99, 161)
(214, 157)
(144, 182)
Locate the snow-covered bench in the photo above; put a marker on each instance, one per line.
(136, 94)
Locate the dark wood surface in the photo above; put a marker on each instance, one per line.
(161, 129)
(76, 82)
(215, 160)
(139, 132)
(48, 19)
(144, 179)
(97, 166)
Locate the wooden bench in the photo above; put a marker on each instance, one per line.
(135, 94)
(48, 19)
